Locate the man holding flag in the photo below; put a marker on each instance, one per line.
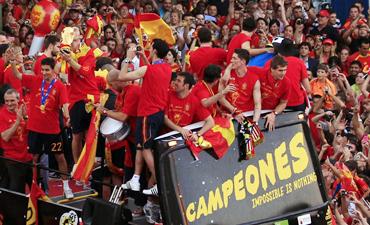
(81, 66)
(150, 109)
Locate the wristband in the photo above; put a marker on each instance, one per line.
(275, 113)
(105, 112)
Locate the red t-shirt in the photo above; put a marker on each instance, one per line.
(236, 42)
(201, 91)
(37, 66)
(46, 122)
(127, 102)
(365, 60)
(314, 132)
(11, 79)
(154, 91)
(242, 98)
(296, 72)
(2, 68)
(273, 91)
(83, 81)
(255, 40)
(204, 56)
(16, 147)
(186, 110)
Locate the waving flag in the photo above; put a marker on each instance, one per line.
(220, 138)
(35, 193)
(153, 26)
(94, 29)
(82, 170)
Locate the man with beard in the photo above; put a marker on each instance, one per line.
(81, 76)
(51, 43)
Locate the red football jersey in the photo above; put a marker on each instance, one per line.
(154, 91)
(185, 111)
(47, 121)
(242, 98)
(16, 147)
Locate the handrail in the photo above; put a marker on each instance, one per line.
(39, 166)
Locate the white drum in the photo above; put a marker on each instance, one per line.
(114, 130)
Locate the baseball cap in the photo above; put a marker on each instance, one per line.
(328, 41)
(324, 13)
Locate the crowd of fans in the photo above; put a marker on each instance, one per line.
(301, 57)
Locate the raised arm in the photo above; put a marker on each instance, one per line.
(7, 134)
(257, 101)
(124, 75)
(15, 70)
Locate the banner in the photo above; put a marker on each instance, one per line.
(282, 178)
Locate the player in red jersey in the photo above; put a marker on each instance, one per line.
(51, 44)
(154, 94)
(247, 96)
(205, 54)
(82, 81)
(184, 108)
(207, 91)
(48, 96)
(243, 40)
(275, 89)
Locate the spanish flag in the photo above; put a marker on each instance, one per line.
(82, 170)
(35, 194)
(153, 26)
(94, 29)
(219, 138)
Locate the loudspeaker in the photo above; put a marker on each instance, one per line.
(97, 212)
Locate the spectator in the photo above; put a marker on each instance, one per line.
(324, 28)
(362, 55)
(323, 86)
(311, 63)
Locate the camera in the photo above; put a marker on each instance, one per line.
(138, 48)
(299, 22)
(343, 193)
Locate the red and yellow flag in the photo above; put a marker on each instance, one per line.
(35, 193)
(82, 170)
(152, 25)
(220, 138)
(94, 29)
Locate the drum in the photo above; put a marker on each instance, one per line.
(114, 130)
